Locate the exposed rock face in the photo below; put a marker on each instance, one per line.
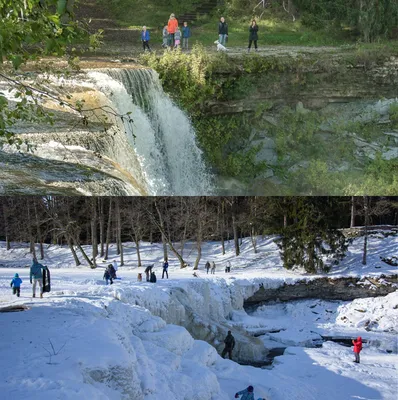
(328, 289)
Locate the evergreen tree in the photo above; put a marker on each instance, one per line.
(311, 234)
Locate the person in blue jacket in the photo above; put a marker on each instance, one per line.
(165, 269)
(36, 275)
(247, 394)
(16, 285)
(186, 34)
(145, 38)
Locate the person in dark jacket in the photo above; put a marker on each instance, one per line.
(148, 272)
(229, 345)
(222, 31)
(165, 268)
(145, 38)
(186, 34)
(153, 278)
(36, 276)
(247, 394)
(112, 271)
(108, 276)
(253, 35)
(357, 348)
(207, 266)
(16, 285)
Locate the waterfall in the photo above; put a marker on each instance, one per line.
(161, 134)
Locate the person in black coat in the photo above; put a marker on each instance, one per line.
(253, 35)
(222, 31)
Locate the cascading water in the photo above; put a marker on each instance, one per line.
(161, 133)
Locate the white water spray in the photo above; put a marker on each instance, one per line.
(164, 139)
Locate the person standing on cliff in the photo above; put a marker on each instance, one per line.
(222, 31)
(145, 38)
(172, 26)
(229, 345)
(253, 35)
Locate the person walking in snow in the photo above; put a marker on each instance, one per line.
(165, 268)
(247, 394)
(16, 285)
(207, 266)
(115, 265)
(108, 276)
(112, 271)
(145, 38)
(357, 348)
(148, 271)
(228, 267)
(213, 267)
(36, 276)
(229, 345)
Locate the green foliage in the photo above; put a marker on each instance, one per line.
(184, 76)
(310, 234)
(189, 81)
(30, 29)
(393, 112)
(372, 19)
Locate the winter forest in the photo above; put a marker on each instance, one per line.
(306, 224)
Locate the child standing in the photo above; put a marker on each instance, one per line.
(165, 37)
(357, 348)
(145, 38)
(107, 276)
(177, 38)
(186, 34)
(16, 285)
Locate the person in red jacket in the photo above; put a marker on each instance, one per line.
(357, 348)
(172, 26)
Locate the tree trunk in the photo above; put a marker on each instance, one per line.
(365, 242)
(198, 244)
(119, 231)
(108, 229)
(137, 245)
(235, 228)
(222, 225)
(79, 246)
(72, 249)
(102, 225)
(32, 247)
(38, 233)
(352, 223)
(5, 215)
(166, 238)
(254, 239)
(94, 238)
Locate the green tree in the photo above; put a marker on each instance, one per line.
(310, 234)
(29, 31)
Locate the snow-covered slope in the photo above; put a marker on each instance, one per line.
(128, 340)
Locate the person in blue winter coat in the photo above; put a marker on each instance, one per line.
(16, 285)
(247, 394)
(36, 276)
(145, 38)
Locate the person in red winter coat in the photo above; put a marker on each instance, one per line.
(357, 348)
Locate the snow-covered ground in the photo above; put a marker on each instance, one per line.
(88, 340)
